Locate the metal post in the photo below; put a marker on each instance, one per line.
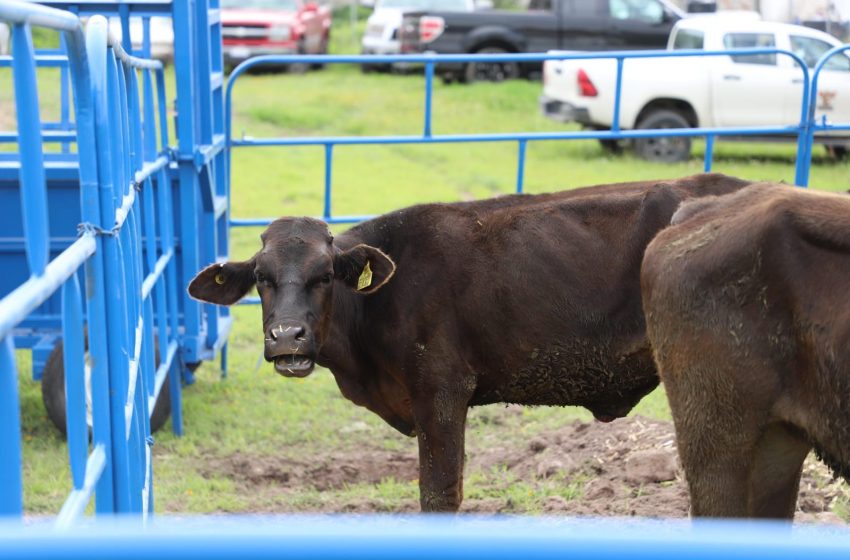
(429, 88)
(520, 171)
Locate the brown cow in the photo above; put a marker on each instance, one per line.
(749, 322)
(426, 311)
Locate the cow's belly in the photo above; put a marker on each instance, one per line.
(606, 380)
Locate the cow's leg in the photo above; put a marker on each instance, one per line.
(716, 436)
(775, 476)
(440, 414)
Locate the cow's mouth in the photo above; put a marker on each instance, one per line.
(294, 365)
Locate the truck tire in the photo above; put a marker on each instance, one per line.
(323, 49)
(53, 393)
(489, 71)
(299, 67)
(668, 149)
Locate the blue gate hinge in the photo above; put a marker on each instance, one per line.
(149, 441)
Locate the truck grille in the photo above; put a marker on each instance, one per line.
(238, 31)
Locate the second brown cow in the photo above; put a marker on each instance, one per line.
(426, 311)
(748, 314)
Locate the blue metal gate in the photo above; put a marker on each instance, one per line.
(804, 131)
(128, 216)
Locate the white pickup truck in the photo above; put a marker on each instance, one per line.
(728, 91)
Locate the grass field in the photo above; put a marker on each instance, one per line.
(256, 415)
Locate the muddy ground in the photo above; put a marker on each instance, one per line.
(626, 468)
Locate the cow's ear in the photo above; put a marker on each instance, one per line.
(363, 268)
(223, 283)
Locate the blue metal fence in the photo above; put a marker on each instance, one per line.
(88, 243)
(804, 130)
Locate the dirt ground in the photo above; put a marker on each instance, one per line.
(626, 468)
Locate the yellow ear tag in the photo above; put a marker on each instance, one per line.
(219, 278)
(365, 279)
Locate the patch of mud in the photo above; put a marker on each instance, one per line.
(626, 468)
(323, 473)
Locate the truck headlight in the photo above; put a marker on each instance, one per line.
(280, 33)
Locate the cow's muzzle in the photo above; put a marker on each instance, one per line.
(291, 349)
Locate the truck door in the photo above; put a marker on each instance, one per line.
(750, 90)
(540, 26)
(833, 95)
(640, 24)
(585, 25)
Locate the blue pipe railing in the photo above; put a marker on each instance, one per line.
(801, 130)
(426, 538)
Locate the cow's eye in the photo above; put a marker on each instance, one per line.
(261, 278)
(326, 279)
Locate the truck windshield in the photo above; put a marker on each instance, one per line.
(437, 5)
(290, 5)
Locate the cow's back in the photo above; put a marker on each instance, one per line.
(539, 294)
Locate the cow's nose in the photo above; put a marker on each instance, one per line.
(283, 333)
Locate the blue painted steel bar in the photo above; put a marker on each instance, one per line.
(425, 538)
(11, 489)
(73, 350)
(64, 97)
(709, 152)
(520, 170)
(79, 498)
(33, 188)
(513, 137)
(47, 136)
(618, 93)
(329, 154)
(429, 89)
(42, 61)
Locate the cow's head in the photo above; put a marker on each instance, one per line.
(295, 272)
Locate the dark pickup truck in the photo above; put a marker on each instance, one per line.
(581, 25)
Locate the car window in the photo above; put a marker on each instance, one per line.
(811, 50)
(688, 39)
(749, 41)
(586, 8)
(649, 11)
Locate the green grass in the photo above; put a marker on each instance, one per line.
(256, 415)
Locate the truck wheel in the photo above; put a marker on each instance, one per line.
(53, 392)
(322, 50)
(667, 149)
(490, 71)
(299, 67)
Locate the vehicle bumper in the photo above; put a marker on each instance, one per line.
(235, 54)
(379, 45)
(562, 111)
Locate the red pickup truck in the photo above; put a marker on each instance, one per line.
(257, 27)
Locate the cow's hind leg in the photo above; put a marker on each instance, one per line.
(716, 438)
(775, 474)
